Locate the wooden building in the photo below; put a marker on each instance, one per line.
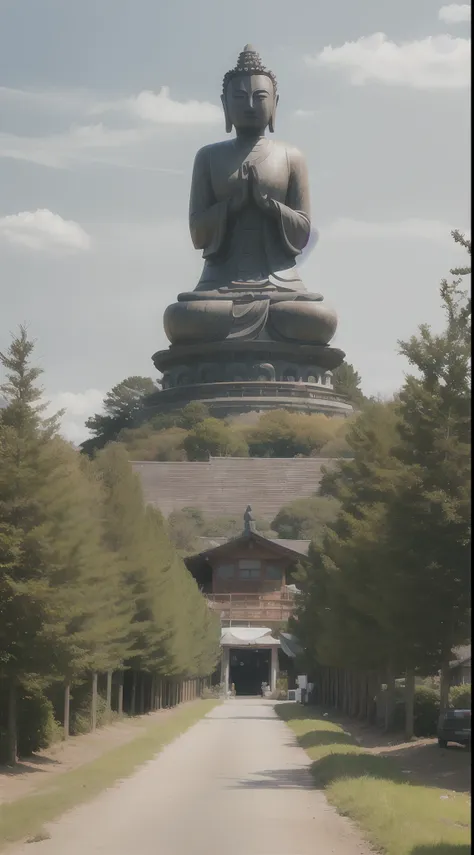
(249, 580)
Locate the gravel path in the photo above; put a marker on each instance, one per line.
(235, 783)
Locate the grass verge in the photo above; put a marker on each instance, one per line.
(25, 817)
(398, 818)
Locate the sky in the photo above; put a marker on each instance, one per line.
(103, 105)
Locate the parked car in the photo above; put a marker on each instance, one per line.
(454, 726)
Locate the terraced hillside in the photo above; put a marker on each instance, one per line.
(226, 485)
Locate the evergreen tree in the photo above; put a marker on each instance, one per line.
(387, 587)
(23, 609)
(123, 407)
(429, 520)
(127, 537)
(346, 572)
(346, 381)
(170, 621)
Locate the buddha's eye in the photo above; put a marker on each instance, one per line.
(239, 94)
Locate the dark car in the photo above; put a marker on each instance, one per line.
(454, 726)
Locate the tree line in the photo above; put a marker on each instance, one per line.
(193, 434)
(386, 591)
(90, 583)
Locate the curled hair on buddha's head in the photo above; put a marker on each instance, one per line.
(249, 62)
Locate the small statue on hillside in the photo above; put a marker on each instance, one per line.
(249, 520)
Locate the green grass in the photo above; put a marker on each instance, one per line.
(397, 817)
(25, 817)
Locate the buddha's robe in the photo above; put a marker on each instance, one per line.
(253, 249)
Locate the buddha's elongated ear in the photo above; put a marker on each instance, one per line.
(271, 124)
(228, 123)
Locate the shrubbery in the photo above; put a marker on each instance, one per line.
(191, 434)
(426, 712)
(81, 721)
(460, 697)
(37, 727)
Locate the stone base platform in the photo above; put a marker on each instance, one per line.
(233, 377)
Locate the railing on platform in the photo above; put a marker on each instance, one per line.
(252, 608)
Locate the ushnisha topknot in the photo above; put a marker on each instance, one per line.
(249, 62)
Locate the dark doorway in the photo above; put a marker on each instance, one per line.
(249, 668)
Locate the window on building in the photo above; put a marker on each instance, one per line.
(273, 572)
(249, 564)
(250, 574)
(249, 568)
(225, 571)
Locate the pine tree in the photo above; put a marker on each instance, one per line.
(171, 632)
(389, 583)
(346, 381)
(23, 437)
(123, 407)
(429, 520)
(126, 536)
(342, 617)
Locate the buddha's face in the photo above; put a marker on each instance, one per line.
(250, 101)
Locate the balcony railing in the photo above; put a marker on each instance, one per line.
(252, 608)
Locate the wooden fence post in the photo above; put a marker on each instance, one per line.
(409, 704)
(109, 692)
(94, 702)
(444, 686)
(67, 699)
(12, 723)
(133, 699)
(120, 694)
(389, 700)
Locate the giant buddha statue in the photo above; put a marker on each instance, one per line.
(249, 213)
(250, 336)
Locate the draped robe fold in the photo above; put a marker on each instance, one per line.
(254, 249)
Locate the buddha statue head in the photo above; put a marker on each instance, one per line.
(249, 95)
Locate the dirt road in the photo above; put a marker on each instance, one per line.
(235, 783)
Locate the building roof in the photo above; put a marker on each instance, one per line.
(248, 636)
(215, 545)
(222, 486)
(299, 546)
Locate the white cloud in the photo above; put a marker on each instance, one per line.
(160, 109)
(304, 114)
(78, 407)
(415, 229)
(80, 144)
(54, 101)
(148, 106)
(455, 13)
(85, 143)
(42, 230)
(436, 62)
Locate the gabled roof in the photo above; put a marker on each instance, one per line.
(214, 546)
